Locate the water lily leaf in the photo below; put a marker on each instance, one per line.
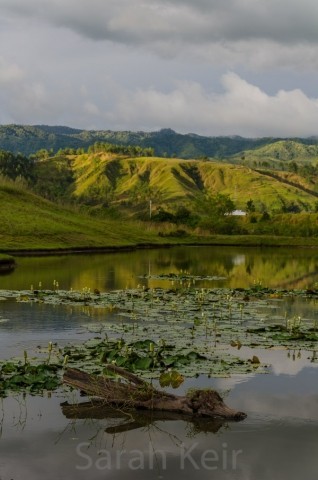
(8, 367)
(121, 361)
(143, 363)
(171, 379)
(176, 379)
(165, 379)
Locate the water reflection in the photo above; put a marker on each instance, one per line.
(26, 326)
(241, 267)
(277, 440)
(124, 421)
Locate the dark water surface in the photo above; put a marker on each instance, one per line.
(235, 267)
(278, 440)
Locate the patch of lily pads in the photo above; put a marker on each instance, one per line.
(34, 376)
(182, 277)
(153, 332)
(149, 359)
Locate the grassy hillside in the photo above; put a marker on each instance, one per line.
(105, 180)
(278, 153)
(30, 222)
(186, 200)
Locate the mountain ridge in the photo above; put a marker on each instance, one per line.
(28, 139)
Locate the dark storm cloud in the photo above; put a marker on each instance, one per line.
(181, 21)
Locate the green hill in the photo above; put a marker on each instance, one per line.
(28, 139)
(116, 188)
(104, 180)
(278, 154)
(28, 221)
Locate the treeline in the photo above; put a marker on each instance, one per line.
(130, 150)
(14, 166)
(97, 147)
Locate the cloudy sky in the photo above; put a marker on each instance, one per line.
(211, 67)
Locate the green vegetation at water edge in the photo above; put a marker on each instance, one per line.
(4, 258)
(7, 262)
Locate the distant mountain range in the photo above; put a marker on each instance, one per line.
(166, 142)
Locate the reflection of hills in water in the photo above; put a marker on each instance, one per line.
(241, 267)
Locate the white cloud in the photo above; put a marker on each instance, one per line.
(139, 64)
(242, 109)
(26, 99)
(9, 72)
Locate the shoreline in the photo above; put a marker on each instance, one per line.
(6, 260)
(7, 263)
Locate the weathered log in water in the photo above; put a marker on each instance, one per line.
(130, 392)
(131, 420)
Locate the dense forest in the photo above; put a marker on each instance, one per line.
(166, 142)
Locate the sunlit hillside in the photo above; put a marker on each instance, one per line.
(28, 221)
(108, 179)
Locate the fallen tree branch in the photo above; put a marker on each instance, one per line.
(130, 392)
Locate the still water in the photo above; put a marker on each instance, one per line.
(234, 267)
(278, 440)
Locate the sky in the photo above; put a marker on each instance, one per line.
(210, 67)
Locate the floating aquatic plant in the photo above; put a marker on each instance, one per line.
(185, 329)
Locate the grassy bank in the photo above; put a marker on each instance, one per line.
(7, 262)
(190, 240)
(32, 224)
(4, 259)
(254, 241)
(28, 222)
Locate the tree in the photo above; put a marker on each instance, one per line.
(215, 205)
(13, 166)
(221, 205)
(43, 154)
(250, 207)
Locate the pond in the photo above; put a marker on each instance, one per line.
(38, 439)
(229, 266)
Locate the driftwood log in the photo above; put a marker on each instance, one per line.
(130, 392)
(130, 420)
